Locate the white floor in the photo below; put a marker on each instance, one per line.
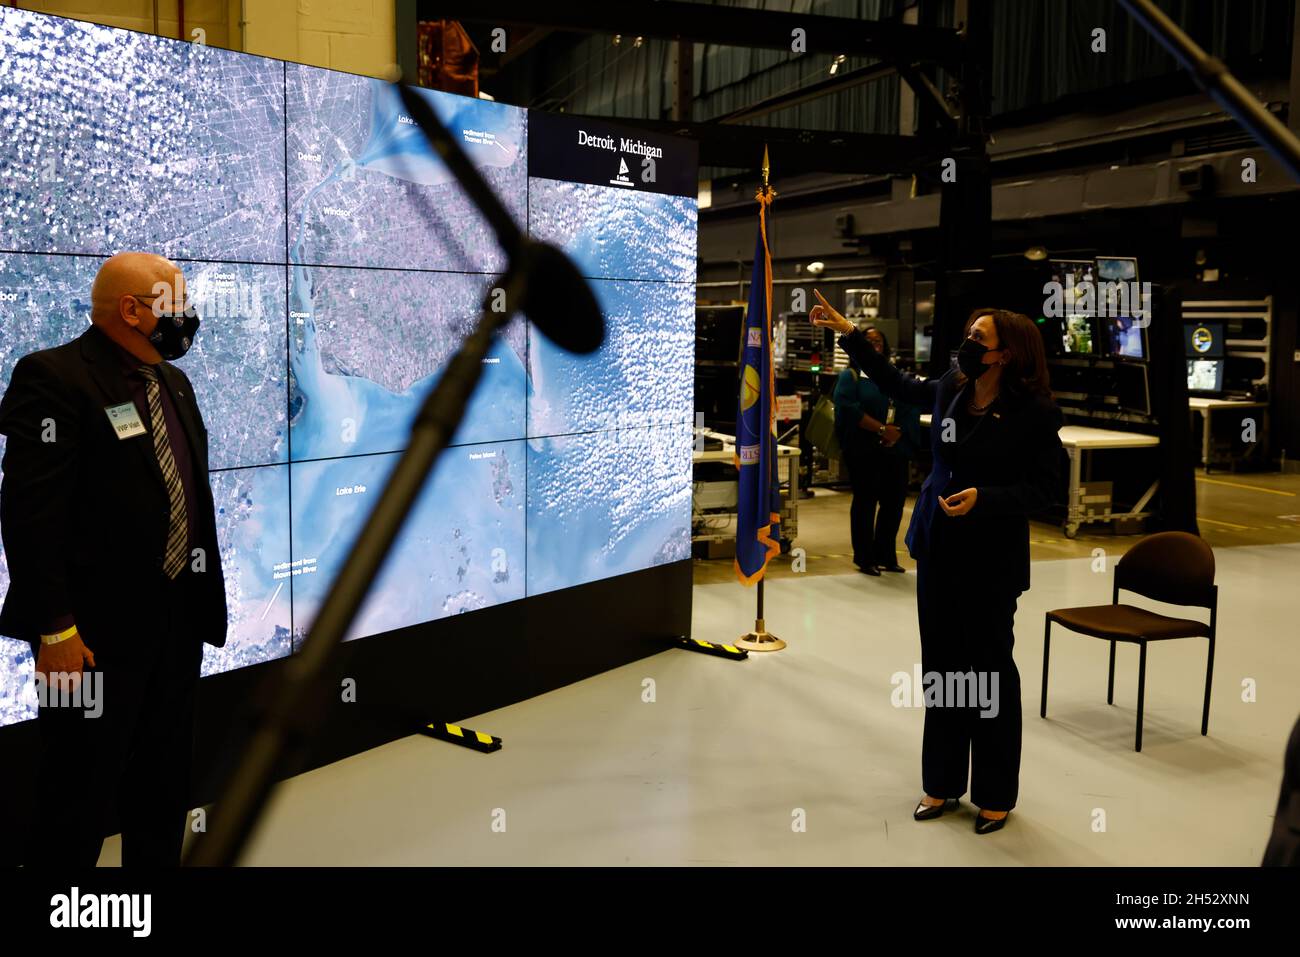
(728, 757)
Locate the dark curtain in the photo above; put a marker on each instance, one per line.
(1042, 49)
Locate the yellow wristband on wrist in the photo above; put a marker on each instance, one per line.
(61, 636)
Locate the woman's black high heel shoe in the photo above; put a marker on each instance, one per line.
(926, 812)
(987, 825)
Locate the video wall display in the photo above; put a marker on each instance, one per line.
(337, 266)
(365, 189)
(461, 549)
(607, 503)
(119, 140)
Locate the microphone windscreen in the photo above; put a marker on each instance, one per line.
(559, 301)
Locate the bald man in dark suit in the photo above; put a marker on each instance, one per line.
(116, 582)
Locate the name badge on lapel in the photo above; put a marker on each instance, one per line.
(125, 419)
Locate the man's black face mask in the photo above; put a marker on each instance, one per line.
(175, 332)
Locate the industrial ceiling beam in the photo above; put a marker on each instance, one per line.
(705, 23)
(517, 49)
(813, 91)
(930, 94)
(1225, 89)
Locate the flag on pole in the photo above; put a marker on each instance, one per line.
(758, 517)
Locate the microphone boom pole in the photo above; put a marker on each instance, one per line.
(1212, 75)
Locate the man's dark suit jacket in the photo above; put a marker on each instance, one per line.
(1013, 458)
(85, 517)
(1284, 846)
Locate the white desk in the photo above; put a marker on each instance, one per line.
(787, 453)
(1089, 437)
(1206, 407)
(1078, 439)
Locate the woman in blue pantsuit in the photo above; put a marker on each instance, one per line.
(996, 462)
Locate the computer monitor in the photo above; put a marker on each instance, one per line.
(1125, 339)
(1203, 340)
(923, 320)
(1132, 388)
(1117, 269)
(1073, 272)
(1205, 376)
(1073, 276)
(1053, 331)
(718, 333)
(1080, 335)
(780, 341)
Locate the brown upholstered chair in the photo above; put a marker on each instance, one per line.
(1172, 567)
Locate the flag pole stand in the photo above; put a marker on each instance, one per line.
(760, 639)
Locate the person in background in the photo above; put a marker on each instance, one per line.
(879, 437)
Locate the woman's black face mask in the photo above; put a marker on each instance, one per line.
(970, 358)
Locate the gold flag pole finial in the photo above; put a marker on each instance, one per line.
(766, 193)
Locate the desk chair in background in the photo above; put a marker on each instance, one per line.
(1172, 567)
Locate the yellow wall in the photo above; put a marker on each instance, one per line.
(219, 19)
(353, 35)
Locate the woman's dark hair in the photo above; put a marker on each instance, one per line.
(883, 338)
(1026, 370)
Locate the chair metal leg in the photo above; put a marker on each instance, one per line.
(1047, 647)
(1110, 682)
(1209, 673)
(1142, 688)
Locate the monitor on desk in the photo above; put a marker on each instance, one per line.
(1117, 269)
(1080, 335)
(1132, 388)
(1124, 338)
(1053, 331)
(1203, 340)
(1073, 275)
(1205, 376)
(717, 334)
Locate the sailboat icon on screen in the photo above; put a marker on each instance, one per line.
(622, 179)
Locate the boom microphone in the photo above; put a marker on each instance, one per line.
(558, 301)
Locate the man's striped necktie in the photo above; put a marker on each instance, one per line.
(174, 556)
